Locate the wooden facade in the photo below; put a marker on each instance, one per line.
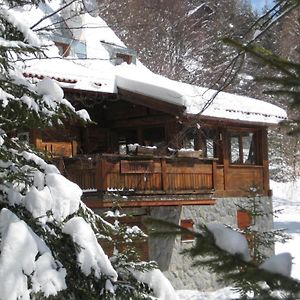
(134, 150)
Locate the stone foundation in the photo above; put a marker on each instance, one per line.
(166, 251)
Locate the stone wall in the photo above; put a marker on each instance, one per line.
(166, 251)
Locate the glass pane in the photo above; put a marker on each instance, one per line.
(153, 136)
(189, 144)
(189, 139)
(209, 139)
(234, 150)
(210, 148)
(248, 148)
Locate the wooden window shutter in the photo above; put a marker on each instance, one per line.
(188, 224)
(244, 219)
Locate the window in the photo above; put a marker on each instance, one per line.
(210, 141)
(189, 138)
(63, 49)
(202, 139)
(244, 219)
(121, 57)
(153, 136)
(243, 148)
(187, 224)
(79, 49)
(23, 137)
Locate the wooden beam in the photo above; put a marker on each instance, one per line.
(141, 121)
(151, 102)
(225, 142)
(91, 203)
(214, 174)
(228, 122)
(163, 174)
(265, 160)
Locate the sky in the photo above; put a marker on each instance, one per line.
(260, 4)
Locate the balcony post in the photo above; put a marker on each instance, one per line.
(163, 174)
(214, 175)
(99, 180)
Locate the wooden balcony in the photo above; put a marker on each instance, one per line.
(137, 180)
(142, 175)
(156, 179)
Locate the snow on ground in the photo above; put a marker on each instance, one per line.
(222, 294)
(286, 197)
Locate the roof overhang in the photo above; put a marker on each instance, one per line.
(150, 102)
(228, 122)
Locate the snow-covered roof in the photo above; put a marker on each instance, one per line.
(98, 72)
(197, 100)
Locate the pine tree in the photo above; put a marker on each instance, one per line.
(179, 39)
(48, 238)
(261, 243)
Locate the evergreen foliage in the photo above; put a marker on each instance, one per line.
(261, 243)
(272, 45)
(181, 39)
(282, 81)
(125, 257)
(24, 108)
(248, 278)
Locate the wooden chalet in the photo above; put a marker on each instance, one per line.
(155, 142)
(150, 153)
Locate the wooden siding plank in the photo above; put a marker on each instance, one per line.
(141, 166)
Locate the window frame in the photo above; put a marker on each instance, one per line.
(187, 224)
(240, 134)
(66, 48)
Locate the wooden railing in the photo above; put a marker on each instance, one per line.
(143, 175)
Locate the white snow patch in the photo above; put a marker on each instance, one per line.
(66, 195)
(48, 86)
(14, 18)
(286, 198)
(256, 33)
(84, 115)
(19, 248)
(279, 264)
(222, 294)
(229, 240)
(157, 281)
(52, 197)
(91, 255)
(114, 214)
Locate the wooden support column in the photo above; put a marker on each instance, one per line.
(100, 175)
(163, 174)
(74, 148)
(214, 174)
(225, 139)
(265, 161)
(140, 136)
(198, 141)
